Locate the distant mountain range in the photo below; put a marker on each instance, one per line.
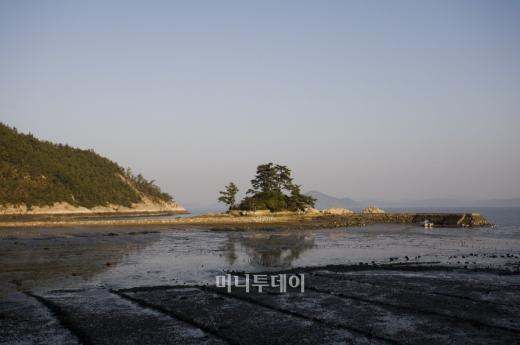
(514, 202)
(328, 201)
(446, 202)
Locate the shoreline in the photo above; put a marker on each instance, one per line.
(227, 221)
(88, 216)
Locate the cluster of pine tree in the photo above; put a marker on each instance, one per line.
(272, 189)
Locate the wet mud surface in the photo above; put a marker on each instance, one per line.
(156, 285)
(389, 306)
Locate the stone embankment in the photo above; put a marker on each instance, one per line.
(277, 220)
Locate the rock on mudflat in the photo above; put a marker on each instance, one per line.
(372, 209)
(337, 211)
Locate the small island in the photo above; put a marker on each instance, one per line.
(272, 189)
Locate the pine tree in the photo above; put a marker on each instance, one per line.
(228, 196)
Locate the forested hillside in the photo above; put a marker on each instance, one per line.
(37, 173)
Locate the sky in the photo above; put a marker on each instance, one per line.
(385, 100)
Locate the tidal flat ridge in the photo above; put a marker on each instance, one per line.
(239, 222)
(395, 305)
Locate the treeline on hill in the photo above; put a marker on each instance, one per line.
(38, 173)
(273, 189)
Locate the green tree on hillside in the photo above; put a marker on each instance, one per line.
(149, 188)
(228, 196)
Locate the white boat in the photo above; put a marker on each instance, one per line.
(427, 224)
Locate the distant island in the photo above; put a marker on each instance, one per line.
(40, 177)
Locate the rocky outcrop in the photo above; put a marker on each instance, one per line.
(312, 210)
(372, 210)
(337, 211)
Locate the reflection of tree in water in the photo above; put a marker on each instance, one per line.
(229, 249)
(269, 250)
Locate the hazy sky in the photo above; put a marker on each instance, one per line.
(366, 99)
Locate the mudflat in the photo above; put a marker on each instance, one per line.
(397, 305)
(374, 284)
